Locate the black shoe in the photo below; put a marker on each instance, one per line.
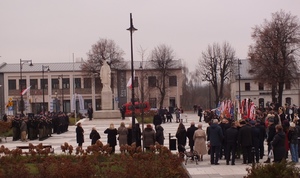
(227, 163)
(232, 164)
(217, 163)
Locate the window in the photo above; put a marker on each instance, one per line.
(12, 84)
(98, 83)
(34, 83)
(151, 81)
(152, 102)
(287, 85)
(77, 82)
(22, 84)
(173, 81)
(87, 83)
(55, 84)
(44, 83)
(66, 83)
(136, 82)
(247, 86)
(260, 86)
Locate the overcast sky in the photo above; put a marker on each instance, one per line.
(52, 30)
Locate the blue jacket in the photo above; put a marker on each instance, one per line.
(215, 135)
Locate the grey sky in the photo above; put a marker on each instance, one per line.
(51, 30)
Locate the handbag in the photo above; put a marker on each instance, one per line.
(271, 154)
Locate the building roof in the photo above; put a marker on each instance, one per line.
(70, 66)
(244, 69)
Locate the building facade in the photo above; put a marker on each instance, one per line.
(259, 93)
(64, 84)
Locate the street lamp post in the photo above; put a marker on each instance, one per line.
(239, 78)
(21, 87)
(132, 29)
(62, 92)
(43, 85)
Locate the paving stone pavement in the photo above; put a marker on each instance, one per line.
(203, 169)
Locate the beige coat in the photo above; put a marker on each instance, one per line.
(200, 142)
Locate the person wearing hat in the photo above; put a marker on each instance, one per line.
(255, 132)
(271, 134)
(293, 133)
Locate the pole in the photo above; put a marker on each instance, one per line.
(239, 63)
(209, 95)
(132, 29)
(43, 85)
(74, 91)
(21, 101)
(62, 93)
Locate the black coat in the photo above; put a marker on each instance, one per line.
(160, 135)
(190, 134)
(231, 135)
(245, 136)
(255, 136)
(79, 135)
(278, 145)
(111, 136)
(215, 135)
(94, 135)
(90, 112)
(271, 133)
(181, 137)
(157, 120)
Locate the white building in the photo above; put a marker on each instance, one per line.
(259, 93)
(64, 79)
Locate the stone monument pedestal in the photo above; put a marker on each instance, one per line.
(106, 99)
(107, 114)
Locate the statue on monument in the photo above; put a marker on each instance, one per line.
(105, 75)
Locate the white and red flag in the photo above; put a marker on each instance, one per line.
(25, 90)
(129, 83)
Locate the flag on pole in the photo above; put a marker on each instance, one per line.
(25, 90)
(129, 83)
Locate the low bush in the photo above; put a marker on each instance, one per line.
(276, 170)
(95, 161)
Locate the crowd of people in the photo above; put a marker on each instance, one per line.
(228, 139)
(31, 127)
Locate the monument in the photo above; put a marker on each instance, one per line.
(106, 111)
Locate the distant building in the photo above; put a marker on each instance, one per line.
(65, 79)
(260, 93)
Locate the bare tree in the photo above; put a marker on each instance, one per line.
(215, 67)
(103, 50)
(162, 58)
(273, 54)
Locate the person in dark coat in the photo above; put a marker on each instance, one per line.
(4, 118)
(181, 138)
(255, 133)
(157, 120)
(278, 144)
(94, 135)
(79, 134)
(90, 112)
(293, 140)
(231, 138)
(190, 134)
(111, 137)
(200, 113)
(122, 111)
(148, 137)
(138, 135)
(245, 140)
(160, 135)
(129, 134)
(216, 138)
(271, 134)
(262, 136)
(169, 116)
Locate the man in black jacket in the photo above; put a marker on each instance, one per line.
(157, 120)
(271, 134)
(190, 134)
(231, 137)
(245, 140)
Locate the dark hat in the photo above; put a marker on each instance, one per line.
(242, 122)
(252, 122)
